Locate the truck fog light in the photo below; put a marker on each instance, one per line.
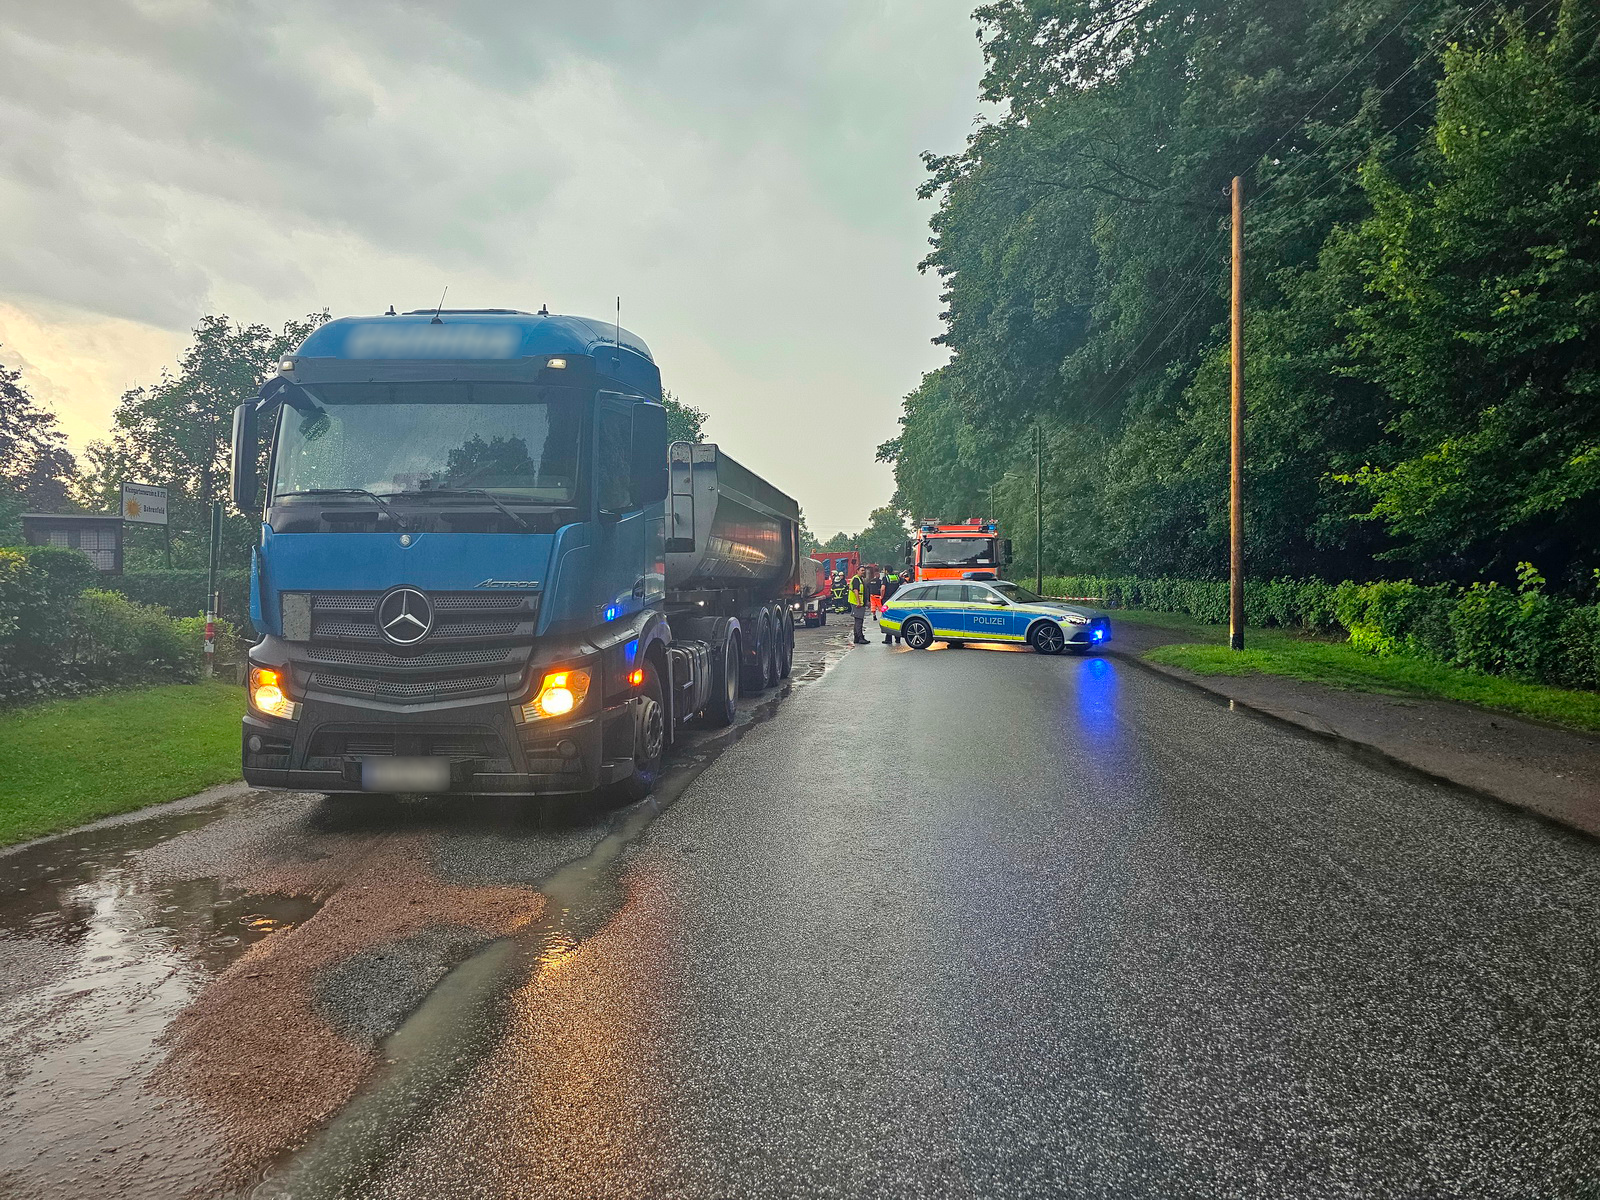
(267, 694)
(567, 748)
(559, 694)
(254, 743)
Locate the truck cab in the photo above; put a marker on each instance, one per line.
(461, 581)
(940, 551)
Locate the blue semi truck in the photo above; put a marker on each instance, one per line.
(482, 569)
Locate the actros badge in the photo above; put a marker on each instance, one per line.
(404, 616)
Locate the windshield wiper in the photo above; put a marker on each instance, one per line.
(399, 521)
(486, 494)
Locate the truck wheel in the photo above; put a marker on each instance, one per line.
(1047, 638)
(724, 703)
(755, 672)
(649, 740)
(823, 619)
(917, 633)
(773, 631)
(785, 645)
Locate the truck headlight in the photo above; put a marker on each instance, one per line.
(560, 693)
(268, 694)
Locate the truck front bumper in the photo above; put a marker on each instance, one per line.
(488, 751)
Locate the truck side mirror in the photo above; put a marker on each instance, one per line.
(908, 552)
(1008, 552)
(246, 445)
(648, 474)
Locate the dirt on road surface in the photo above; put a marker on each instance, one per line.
(189, 994)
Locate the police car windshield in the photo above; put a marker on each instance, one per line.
(1015, 594)
(958, 552)
(517, 440)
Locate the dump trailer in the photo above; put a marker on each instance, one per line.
(483, 570)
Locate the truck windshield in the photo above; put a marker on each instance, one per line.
(514, 439)
(958, 552)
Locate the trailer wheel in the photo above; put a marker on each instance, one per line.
(754, 678)
(771, 638)
(785, 644)
(650, 738)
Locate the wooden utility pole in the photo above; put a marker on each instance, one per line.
(1236, 455)
(1038, 513)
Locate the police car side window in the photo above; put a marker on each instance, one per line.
(912, 594)
(948, 593)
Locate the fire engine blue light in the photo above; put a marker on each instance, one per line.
(611, 612)
(631, 651)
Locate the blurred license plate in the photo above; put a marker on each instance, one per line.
(405, 774)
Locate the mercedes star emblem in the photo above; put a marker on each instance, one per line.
(404, 616)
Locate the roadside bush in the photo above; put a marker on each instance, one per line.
(1523, 632)
(183, 593)
(117, 641)
(60, 637)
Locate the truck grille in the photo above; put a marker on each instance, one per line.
(478, 646)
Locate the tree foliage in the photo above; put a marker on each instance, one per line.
(1421, 255)
(177, 433)
(684, 422)
(882, 541)
(36, 469)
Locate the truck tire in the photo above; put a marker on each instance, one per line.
(772, 628)
(785, 644)
(823, 619)
(754, 678)
(650, 739)
(723, 705)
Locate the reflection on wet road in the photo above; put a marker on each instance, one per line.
(974, 922)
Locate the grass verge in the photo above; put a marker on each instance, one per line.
(65, 762)
(1340, 665)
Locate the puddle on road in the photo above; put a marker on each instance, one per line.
(110, 934)
(97, 956)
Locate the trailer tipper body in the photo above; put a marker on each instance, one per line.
(483, 570)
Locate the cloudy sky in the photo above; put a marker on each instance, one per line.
(741, 172)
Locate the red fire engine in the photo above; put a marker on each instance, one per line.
(938, 551)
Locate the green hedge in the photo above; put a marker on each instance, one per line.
(1522, 632)
(183, 593)
(60, 635)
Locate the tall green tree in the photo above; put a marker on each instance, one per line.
(1081, 242)
(36, 468)
(684, 422)
(176, 433)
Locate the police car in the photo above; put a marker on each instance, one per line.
(982, 608)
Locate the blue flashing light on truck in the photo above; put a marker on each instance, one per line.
(483, 570)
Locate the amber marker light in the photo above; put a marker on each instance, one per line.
(636, 678)
(559, 694)
(267, 694)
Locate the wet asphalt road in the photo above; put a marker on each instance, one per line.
(961, 923)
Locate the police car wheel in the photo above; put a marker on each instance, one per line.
(1047, 638)
(917, 633)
